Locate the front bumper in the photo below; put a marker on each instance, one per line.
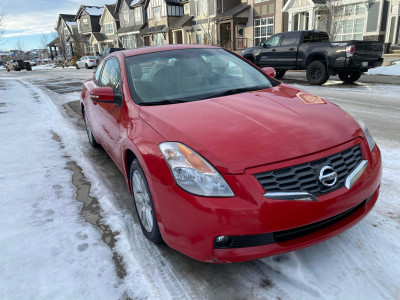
(190, 223)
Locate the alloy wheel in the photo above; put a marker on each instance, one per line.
(142, 201)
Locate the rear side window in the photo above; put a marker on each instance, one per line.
(315, 37)
(111, 76)
(289, 38)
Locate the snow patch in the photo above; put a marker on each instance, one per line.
(393, 70)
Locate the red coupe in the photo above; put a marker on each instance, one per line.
(224, 162)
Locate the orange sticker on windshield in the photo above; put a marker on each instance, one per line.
(310, 98)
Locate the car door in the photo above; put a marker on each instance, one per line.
(287, 50)
(80, 62)
(110, 114)
(269, 53)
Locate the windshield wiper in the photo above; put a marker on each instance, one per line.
(238, 91)
(163, 102)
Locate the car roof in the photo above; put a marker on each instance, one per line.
(152, 49)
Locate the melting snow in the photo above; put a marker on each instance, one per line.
(393, 70)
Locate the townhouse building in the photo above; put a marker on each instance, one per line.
(132, 16)
(88, 21)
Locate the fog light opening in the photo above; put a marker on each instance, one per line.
(223, 241)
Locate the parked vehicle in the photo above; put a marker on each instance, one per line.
(87, 62)
(107, 51)
(18, 65)
(227, 164)
(312, 51)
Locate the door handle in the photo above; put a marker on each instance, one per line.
(291, 49)
(273, 50)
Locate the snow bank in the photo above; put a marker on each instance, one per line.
(47, 250)
(393, 70)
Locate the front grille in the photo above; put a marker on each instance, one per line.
(305, 177)
(243, 241)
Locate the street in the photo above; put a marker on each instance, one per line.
(69, 230)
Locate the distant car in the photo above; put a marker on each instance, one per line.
(224, 162)
(108, 51)
(18, 65)
(87, 62)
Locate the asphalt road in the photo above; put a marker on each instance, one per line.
(376, 99)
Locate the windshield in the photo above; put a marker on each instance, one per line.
(189, 75)
(92, 57)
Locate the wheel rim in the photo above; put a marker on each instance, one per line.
(88, 130)
(142, 201)
(315, 73)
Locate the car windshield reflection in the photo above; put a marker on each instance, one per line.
(189, 75)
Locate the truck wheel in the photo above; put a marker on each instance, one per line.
(317, 73)
(280, 73)
(349, 77)
(8, 70)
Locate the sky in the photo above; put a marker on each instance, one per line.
(26, 21)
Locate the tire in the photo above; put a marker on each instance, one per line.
(17, 69)
(280, 73)
(143, 201)
(92, 140)
(8, 70)
(349, 77)
(86, 66)
(77, 67)
(317, 73)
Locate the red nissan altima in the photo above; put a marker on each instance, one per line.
(224, 162)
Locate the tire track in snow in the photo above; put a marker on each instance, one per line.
(153, 267)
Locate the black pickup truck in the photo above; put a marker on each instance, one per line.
(18, 65)
(312, 51)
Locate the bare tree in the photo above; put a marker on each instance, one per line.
(208, 28)
(334, 16)
(79, 49)
(2, 26)
(44, 41)
(19, 45)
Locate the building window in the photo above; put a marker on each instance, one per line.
(85, 24)
(200, 7)
(138, 16)
(186, 8)
(158, 39)
(263, 28)
(125, 15)
(156, 13)
(199, 37)
(351, 30)
(175, 11)
(109, 28)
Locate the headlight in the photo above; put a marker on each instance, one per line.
(368, 136)
(193, 173)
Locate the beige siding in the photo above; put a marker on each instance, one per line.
(156, 3)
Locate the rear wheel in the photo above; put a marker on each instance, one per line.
(280, 73)
(349, 77)
(144, 203)
(317, 73)
(86, 66)
(92, 140)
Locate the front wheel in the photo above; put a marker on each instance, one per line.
(77, 67)
(280, 73)
(8, 70)
(349, 77)
(92, 140)
(144, 203)
(317, 73)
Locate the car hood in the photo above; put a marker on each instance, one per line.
(256, 128)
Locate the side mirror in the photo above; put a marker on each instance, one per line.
(269, 71)
(104, 95)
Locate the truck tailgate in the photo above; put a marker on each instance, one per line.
(367, 51)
